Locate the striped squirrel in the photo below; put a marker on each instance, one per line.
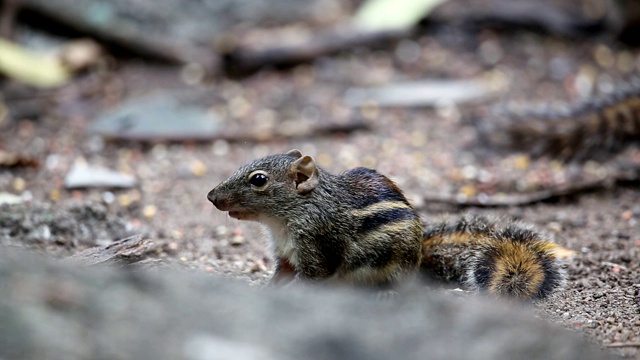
(595, 129)
(358, 228)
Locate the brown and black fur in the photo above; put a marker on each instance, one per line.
(596, 129)
(356, 227)
(499, 257)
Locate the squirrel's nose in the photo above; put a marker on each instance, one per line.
(211, 196)
(220, 201)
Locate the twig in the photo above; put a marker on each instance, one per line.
(519, 199)
(126, 251)
(620, 344)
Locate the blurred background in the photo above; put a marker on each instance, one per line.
(117, 118)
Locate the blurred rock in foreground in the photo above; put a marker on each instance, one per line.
(53, 310)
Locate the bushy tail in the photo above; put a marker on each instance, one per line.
(591, 130)
(502, 258)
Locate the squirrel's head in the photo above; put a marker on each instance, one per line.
(270, 186)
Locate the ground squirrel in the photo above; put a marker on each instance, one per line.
(358, 228)
(595, 129)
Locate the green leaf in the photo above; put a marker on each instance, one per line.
(393, 14)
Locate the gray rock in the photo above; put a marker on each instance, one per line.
(83, 175)
(62, 311)
(157, 117)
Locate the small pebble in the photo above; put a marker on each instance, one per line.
(149, 211)
(469, 172)
(220, 147)
(221, 230)
(19, 184)
(108, 197)
(127, 199)
(237, 240)
(198, 168)
(54, 195)
(522, 162)
(468, 191)
(52, 161)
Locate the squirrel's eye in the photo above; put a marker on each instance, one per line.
(258, 180)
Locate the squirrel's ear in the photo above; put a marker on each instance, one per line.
(294, 152)
(305, 173)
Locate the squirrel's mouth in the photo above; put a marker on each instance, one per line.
(242, 215)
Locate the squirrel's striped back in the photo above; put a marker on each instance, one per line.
(385, 236)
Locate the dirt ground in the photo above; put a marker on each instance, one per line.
(425, 150)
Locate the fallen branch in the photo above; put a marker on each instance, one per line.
(243, 61)
(122, 252)
(519, 199)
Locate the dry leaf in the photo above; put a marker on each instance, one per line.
(31, 68)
